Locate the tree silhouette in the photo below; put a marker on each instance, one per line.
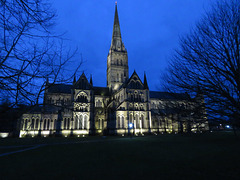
(208, 61)
(29, 52)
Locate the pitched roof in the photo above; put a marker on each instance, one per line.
(48, 108)
(168, 95)
(60, 88)
(65, 88)
(163, 111)
(103, 91)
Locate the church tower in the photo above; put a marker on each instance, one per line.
(117, 60)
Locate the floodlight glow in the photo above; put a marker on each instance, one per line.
(227, 126)
(3, 135)
(130, 125)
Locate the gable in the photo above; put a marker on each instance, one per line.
(59, 88)
(134, 82)
(82, 83)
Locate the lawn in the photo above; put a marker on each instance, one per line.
(200, 156)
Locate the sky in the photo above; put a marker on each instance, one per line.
(150, 31)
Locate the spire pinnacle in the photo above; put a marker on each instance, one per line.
(74, 79)
(116, 22)
(145, 81)
(91, 80)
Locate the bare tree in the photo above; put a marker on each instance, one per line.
(208, 61)
(29, 52)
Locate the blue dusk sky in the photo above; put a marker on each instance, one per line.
(150, 31)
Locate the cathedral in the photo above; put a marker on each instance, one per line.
(125, 107)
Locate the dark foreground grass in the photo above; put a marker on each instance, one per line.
(205, 156)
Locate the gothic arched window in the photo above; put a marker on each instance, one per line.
(48, 123)
(118, 122)
(82, 98)
(131, 118)
(142, 121)
(122, 122)
(98, 103)
(137, 121)
(68, 123)
(85, 122)
(36, 124)
(76, 122)
(65, 123)
(45, 124)
(80, 122)
(33, 123)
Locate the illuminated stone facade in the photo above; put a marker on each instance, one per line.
(125, 106)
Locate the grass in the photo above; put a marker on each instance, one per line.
(203, 156)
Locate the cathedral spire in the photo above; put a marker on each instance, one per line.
(117, 60)
(116, 20)
(116, 43)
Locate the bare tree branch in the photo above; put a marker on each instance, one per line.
(209, 60)
(29, 51)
